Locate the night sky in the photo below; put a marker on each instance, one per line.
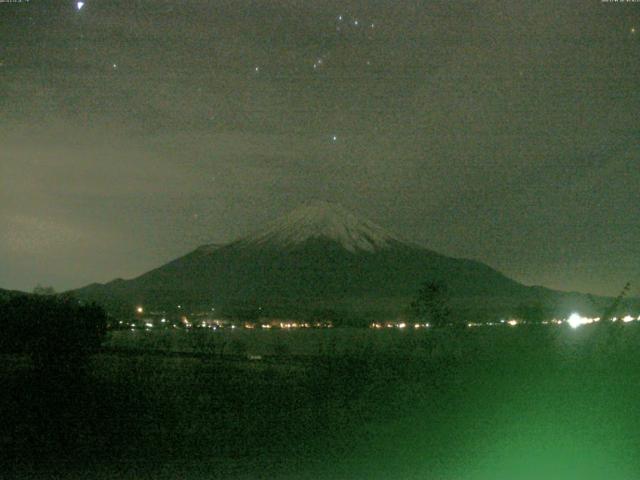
(133, 131)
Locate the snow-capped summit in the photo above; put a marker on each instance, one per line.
(327, 221)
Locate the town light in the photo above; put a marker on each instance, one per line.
(575, 320)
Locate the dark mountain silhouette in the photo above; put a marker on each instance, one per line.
(318, 257)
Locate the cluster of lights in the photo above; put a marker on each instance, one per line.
(575, 320)
(400, 325)
(289, 325)
(554, 321)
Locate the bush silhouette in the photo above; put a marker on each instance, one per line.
(57, 332)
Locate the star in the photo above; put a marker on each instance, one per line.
(339, 18)
(115, 65)
(79, 5)
(257, 69)
(355, 22)
(334, 138)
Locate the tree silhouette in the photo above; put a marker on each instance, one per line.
(431, 304)
(42, 290)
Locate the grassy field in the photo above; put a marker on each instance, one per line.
(502, 403)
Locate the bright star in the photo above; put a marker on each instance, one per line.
(79, 5)
(334, 138)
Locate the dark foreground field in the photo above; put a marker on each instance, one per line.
(501, 403)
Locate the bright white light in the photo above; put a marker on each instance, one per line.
(628, 319)
(513, 323)
(334, 138)
(79, 5)
(139, 310)
(340, 18)
(148, 325)
(575, 320)
(402, 325)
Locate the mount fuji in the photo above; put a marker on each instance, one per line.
(318, 257)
